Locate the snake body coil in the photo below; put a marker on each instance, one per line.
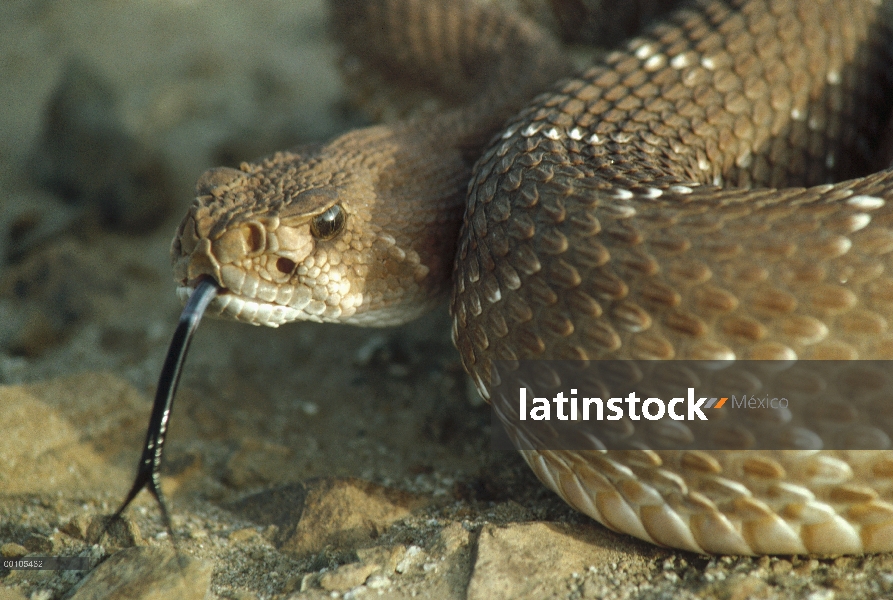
(709, 192)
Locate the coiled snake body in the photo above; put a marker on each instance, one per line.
(646, 208)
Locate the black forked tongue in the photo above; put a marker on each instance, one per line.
(149, 469)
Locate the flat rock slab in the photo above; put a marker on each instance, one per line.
(531, 560)
(147, 574)
(67, 433)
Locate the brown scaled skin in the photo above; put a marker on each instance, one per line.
(650, 208)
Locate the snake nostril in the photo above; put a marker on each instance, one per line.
(285, 265)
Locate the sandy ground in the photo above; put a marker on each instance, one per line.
(310, 461)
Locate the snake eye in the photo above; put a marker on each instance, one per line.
(327, 225)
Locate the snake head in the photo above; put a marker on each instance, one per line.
(313, 234)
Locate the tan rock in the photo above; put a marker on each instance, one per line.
(12, 594)
(347, 512)
(347, 577)
(78, 526)
(63, 434)
(449, 565)
(386, 559)
(244, 535)
(12, 550)
(534, 560)
(147, 574)
(331, 511)
(114, 534)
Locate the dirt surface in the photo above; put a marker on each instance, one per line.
(309, 461)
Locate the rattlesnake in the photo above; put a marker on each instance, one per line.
(642, 209)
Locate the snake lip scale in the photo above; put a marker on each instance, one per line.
(716, 189)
